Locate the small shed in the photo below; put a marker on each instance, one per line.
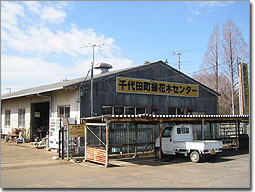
(99, 152)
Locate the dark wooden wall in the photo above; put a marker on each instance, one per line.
(105, 92)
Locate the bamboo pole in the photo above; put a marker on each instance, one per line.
(237, 134)
(153, 137)
(160, 140)
(211, 131)
(236, 127)
(202, 129)
(135, 139)
(107, 144)
(85, 140)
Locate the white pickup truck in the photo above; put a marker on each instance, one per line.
(179, 139)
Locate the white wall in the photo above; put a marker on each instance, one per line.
(14, 105)
(60, 97)
(66, 97)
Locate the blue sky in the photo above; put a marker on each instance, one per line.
(41, 41)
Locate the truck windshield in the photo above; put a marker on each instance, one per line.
(167, 132)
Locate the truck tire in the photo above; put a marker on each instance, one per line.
(157, 153)
(195, 156)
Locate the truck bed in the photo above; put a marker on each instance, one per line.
(198, 145)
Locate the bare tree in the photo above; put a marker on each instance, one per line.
(234, 46)
(224, 101)
(210, 64)
(219, 69)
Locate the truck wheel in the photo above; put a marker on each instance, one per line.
(157, 153)
(194, 157)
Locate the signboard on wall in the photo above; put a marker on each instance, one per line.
(141, 86)
(245, 85)
(76, 130)
(54, 132)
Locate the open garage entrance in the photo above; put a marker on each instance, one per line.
(39, 120)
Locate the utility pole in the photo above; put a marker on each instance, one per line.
(10, 90)
(91, 83)
(91, 79)
(179, 59)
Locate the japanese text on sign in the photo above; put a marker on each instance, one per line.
(245, 85)
(76, 130)
(130, 85)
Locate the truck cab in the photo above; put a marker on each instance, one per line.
(179, 139)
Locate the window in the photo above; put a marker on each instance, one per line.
(7, 117)
(179, 111)
(118, 110)
(175, 111)
(187, 130)
(21, 118)
(106, 110)
(140, 110)
(171, 111)
(64, 111)
(167, 132)
(130, 110)
(183, 130)
(199, 113)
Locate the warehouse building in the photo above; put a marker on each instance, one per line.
(154, 88)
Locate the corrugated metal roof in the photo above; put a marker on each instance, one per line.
(77, 81)
(41, 89)
(165, 118)
(59, 85)
(178, 116)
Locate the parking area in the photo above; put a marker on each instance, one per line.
(26, 167)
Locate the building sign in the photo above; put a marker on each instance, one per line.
(76, 130)
(245, 85)
(141, 86)
(37, 114)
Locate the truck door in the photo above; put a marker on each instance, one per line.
(167, 141)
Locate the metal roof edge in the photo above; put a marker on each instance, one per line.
(164, 116)
(31, 93)
(190, 78)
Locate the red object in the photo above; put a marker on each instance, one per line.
(189, 109)
(205, 151)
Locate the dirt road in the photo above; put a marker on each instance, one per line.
(26, 167)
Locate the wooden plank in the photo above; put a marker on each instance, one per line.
(96, 154)
(96, 124)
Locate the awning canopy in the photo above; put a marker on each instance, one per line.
(149, 118)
